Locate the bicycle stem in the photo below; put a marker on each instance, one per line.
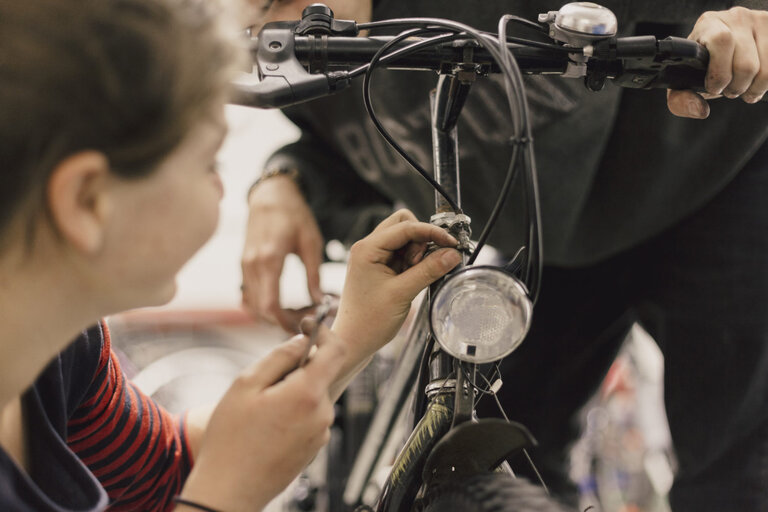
(446, 102)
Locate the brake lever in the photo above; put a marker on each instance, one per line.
(283, 80)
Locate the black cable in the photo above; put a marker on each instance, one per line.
(509, 180)
(431, 23)
(522, 42)
(511, 174)
(518, 41)
(402, 52)
(535, 260)
(384, 133)
(483, 40)
(532, 274)
(501, 53)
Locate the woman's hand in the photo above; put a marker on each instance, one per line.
(737, 41)
(275, 418)
(386, 270)
(279, 223)
(267, 427)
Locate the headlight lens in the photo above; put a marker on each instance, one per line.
(480, 314)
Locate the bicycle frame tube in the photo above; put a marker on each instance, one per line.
(405, 479)
(399, 389)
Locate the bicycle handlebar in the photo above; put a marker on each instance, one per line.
(294, 68)
(342, 53)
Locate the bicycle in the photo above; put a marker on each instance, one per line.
(319, 55)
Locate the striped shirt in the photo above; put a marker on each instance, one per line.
(94, 439)
(135, 448)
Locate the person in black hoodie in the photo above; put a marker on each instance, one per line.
(652, 212)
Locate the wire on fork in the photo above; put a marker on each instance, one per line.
(504, 414)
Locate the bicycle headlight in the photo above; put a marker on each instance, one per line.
(480, 314)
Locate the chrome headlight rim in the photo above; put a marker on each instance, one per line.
(481, 273)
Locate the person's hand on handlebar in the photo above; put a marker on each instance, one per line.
(279, 223)
(737, 41)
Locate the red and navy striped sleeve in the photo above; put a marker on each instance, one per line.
(137, 450)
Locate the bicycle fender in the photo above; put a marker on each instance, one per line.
(472, 448)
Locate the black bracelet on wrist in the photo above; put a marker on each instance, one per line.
(289, 172)
(181, 501)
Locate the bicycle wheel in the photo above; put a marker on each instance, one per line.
(489, 492)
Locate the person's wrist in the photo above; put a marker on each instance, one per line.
(280, 176)
(358, 343)
(195, 502)
(342, 331)
(186, 505)
(206, 489)
(197, 490)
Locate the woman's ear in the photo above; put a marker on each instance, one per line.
(78, 199)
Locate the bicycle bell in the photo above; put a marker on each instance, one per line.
(580, 23)
(480, 314)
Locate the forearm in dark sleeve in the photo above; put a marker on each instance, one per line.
(345, 206)
(752, 4)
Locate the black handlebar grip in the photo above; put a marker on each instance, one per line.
(648, 63)
(691, 72)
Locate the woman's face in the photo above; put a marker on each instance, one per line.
(282, 10)
(160, 221)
